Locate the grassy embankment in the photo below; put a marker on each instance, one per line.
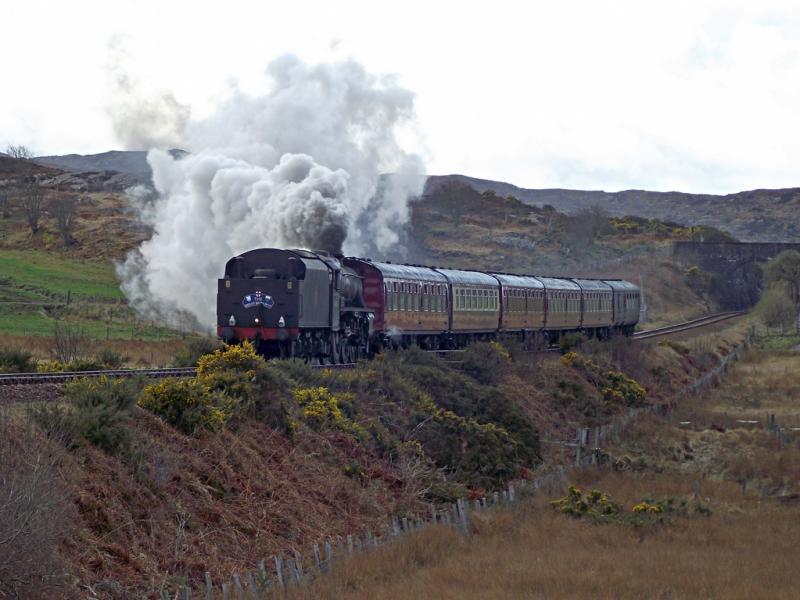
(741, 541)
(35, 287)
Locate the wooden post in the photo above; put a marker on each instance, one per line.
(298, 563)
(350, 546)
(239, 589)
(359, 545)
(279, 572)
(578, 437)
(255, 591)
(209, 587)
(226, 593)
(294, 570)
(328, 555)
(262, 572)
(317, 557)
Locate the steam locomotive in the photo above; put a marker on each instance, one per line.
(310, 304)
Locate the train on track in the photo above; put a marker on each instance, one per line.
(312, 305)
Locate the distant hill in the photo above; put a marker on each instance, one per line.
(753, 216)
(130, 162)
(757, 215)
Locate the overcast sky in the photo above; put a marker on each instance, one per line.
(693, 96)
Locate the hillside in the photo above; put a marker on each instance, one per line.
(279, 456)
(756, 215)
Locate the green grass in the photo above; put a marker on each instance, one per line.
(29, 323)
(778, 342)
(28, 276)
(55, 276)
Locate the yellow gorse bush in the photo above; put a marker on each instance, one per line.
(187, 404)
(501, 350)
(321, 410)
(616, 387)
(236, 357)
(647, 507)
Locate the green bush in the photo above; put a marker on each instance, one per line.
(188, 404)
(570, 341)
(14, 360)
(84, 364)
(95, 410)
(195, 348)
(487, 363)
(110, 359)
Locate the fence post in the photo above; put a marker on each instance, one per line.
(328, 555)
(255, 592)
(298, 563)
(317, 557)
(209, 587)
(279, 572)
(239, 589)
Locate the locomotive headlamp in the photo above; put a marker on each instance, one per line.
(256, 320)
(232, 321)
(281, 322)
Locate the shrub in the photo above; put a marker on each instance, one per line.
(84, 364)
(195, 348)
(34, 513)
(110, 359)
(621, 389)
(14, 360)
(321, 410)
(188, 404)
(571, 340)
(96, 410)
(486, 362)
(592, 504)
(239, 358)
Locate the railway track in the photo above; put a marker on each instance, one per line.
(693, 324)
(65, 376)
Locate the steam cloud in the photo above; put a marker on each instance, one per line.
(141, 122)
(298, 167)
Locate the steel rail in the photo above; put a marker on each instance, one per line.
(65, 376)
(688, 325)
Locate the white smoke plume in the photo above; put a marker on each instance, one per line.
(298, 167)
(140, 120)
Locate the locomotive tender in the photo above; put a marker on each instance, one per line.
(312, 305)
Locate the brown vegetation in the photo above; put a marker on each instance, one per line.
(536, 552)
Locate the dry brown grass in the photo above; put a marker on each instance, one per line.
(746, 549)
(138, 353)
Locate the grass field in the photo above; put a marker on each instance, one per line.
(33, 293)
(56, 276)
